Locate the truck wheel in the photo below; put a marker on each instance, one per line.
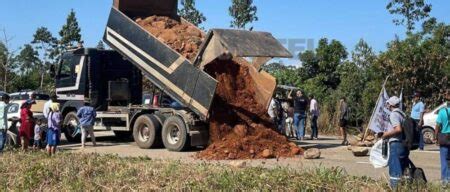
(428, 135)
(147, 132)
(70, 122)
(174, 134)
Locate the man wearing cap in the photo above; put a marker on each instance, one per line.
(87, 115)
(417, 112)
(443, 133)
(398, 153)
(3, 120)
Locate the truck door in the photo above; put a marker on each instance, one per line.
(68, 77)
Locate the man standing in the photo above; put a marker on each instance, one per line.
(3, 120)
(398, 152)
(343, 119)
(443, 133)
(46, 111)
(87, 115)
(417, 112)
(300, 107)
(314, 111)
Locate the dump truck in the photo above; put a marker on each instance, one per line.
(112, 79)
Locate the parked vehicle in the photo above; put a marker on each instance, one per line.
(429, 124)
(40, 98)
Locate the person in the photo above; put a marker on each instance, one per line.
(398, 152)
(343, 119)
(87, 115)
(300, 107)
(3, 120)
(37, 135)
(417, 111)
(54, 128)
(26, 124)
(53, 99)
(314, 111)
(274, 112)
(443, 128)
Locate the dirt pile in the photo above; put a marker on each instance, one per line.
(179, 35)
(239, 127)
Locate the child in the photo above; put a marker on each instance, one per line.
(37, 135)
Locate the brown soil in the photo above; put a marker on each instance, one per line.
(179, 35)
(239, 127)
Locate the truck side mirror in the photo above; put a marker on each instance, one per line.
(52, 71)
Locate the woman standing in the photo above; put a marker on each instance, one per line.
(54, 128)
(26, 124)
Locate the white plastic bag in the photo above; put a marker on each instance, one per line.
(376, 155)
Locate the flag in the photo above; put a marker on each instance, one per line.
(379, 122)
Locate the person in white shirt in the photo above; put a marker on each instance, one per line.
(314, 111)
(3, 120)
(53, 99)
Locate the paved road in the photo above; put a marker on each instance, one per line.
(333, 155)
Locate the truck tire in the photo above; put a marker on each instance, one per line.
(174, 134)
(147, 132)
(70, 122)
(428, 135)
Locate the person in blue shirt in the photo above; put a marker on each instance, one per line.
(417, 112)
(443, 127)
(87, 115)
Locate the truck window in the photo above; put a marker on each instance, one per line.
(67, 67)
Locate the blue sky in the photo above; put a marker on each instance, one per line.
(347, 21)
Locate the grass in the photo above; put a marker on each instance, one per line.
(93, 172)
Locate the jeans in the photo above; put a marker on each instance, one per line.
(299, 124)
(421, 141)
(445, 160)
(2, 140)
(314, 131)
(398, 161)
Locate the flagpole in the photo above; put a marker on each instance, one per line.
(374, 109)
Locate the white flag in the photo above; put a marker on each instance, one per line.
(379, 122)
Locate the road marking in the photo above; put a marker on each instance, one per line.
(363, 162)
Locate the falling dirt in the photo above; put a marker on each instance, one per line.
(239, 127)
(181, 36)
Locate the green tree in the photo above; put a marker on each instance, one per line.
(190, 13)
(7, 61)
(243, 13)
(70, 32)
(363, 55)
(44, 43)
(28, 59)
(412, 11)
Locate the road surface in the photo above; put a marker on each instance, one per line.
(333, 155)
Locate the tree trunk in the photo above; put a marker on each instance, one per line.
(42, 80)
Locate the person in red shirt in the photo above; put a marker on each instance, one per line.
(26, 124)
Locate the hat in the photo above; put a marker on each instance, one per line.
(417, 94)
(393, 101)
(30, 101)
(54, 107)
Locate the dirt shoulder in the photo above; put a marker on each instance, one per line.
(333, 155)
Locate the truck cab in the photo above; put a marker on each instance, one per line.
(113, 86)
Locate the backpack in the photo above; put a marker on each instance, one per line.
(413, 173)
(410, 132)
